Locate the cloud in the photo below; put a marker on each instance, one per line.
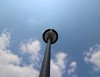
(31, 47)
(60, 57)
(73, 66)
(4, 40)
(17, 71)
(6, 56)
(10, 63)
(58, 66)
(93, 57)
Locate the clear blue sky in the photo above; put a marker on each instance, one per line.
(77, 23)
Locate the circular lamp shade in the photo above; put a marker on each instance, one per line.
(52, 34)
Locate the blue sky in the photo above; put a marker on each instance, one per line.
(77, 51)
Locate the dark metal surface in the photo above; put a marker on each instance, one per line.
(50, 36)
(45, 69)
(52, 33)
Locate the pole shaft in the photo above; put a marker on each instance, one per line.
(45, 69)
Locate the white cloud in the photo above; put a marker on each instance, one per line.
(17, 71)
(60, 56)
(93, 56)
(6, 56)
(73, 66)
(32, 47)
(4, 40)
(58, 66)
(9, 62)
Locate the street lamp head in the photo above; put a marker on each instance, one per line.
(50, 34)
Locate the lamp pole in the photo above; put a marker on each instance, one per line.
(50, 36)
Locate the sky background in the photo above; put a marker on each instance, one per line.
(75, 54)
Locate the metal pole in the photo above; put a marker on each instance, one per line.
(45, 69)
(50, 36)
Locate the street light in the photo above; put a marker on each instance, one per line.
(50, 36)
